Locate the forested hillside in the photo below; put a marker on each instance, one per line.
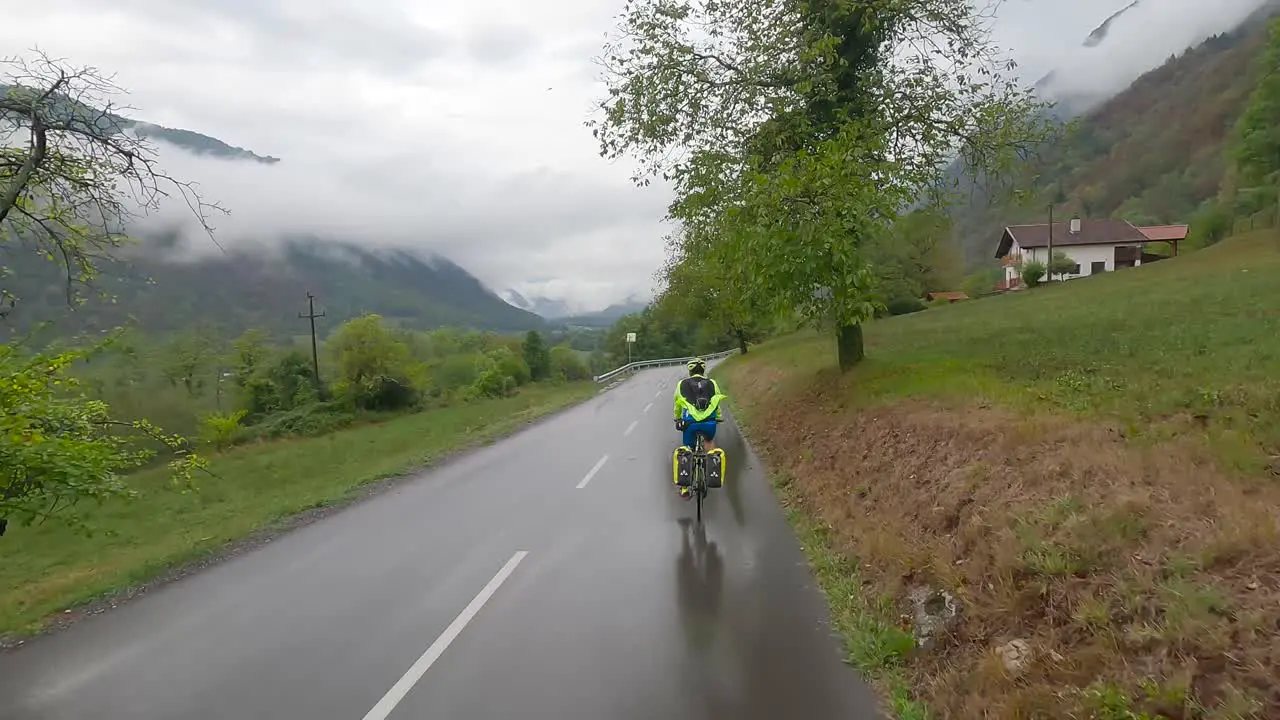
(1155, 153)
(263, 288)
(189, 141)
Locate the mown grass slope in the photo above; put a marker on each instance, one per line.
(49, 567)
(1090, 467)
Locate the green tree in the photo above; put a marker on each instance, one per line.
(795, 132)
(249, 352)
(566, 364)
(914, 257)
(70, 180)
(709, 293)
(1209, 225)
(512, 365)
(281, 385)
(1256, 150)
(59, 448)
(983, 282)
(1060, 264)
(375, 369)
(190, 358)
(536, 355)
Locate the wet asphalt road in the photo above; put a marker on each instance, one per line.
(511, 583)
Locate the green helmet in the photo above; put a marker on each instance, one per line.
(696, 366)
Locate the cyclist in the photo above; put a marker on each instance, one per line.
(697, 410)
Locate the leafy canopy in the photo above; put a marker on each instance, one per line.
(795, 131)
(71, 179)
(58, 447)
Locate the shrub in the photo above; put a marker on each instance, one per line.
(457, 371)
(375, 366)
(494, 383)
(512, 365)
(1033, 273)
(221, 430)
(982, 282)
(380, 393)
(1211, 224)
(283, 385)
(904, 305)
(308, 420)
(566, 364)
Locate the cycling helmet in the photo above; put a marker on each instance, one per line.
(696, 365)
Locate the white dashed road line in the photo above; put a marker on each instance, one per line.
(647, 407)
(402, 687)
(592, 472)
(630, 427)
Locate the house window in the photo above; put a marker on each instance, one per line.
(1098, 267)
(1075, 270)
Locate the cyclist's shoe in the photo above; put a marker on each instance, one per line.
(686, 493)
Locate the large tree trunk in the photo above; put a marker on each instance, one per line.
(849, 350)
(742, 341)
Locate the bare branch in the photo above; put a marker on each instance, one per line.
(74, 175)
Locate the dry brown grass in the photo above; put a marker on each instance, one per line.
(1145, 577)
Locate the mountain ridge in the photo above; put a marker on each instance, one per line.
(263, 287)
(110, 122)
(1152, 154)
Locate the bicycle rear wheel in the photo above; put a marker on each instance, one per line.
(699, 473)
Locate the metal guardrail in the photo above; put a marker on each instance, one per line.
(638, 364)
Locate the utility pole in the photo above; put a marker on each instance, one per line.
(315, 352)
(1049, 265)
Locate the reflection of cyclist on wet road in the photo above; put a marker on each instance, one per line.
(699, 576)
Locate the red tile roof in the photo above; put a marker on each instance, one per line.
(1164, 232)
(952, 296)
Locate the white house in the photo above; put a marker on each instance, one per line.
(1096, 246)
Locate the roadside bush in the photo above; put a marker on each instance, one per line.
(566, 364)
(904, 305)
(376, 369)
(380, 393)
(307, 420)
(1033, 273)
(284, 384)
(456, 372)
(494, 383)
(512, 365)
(599, 363)
(221, 430)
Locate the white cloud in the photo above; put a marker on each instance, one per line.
(458, 127)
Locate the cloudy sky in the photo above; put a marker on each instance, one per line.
(458, 126)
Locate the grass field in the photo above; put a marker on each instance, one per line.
(44, 569)
(1091, 467)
